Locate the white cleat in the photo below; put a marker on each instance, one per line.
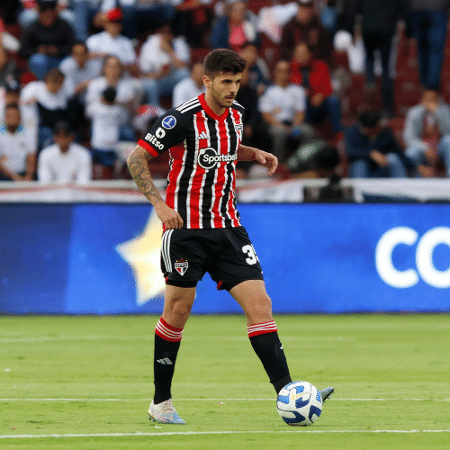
(164, 412)
(326, 393)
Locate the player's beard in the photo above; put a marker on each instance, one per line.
(222, 100)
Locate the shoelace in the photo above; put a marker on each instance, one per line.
(165, 408)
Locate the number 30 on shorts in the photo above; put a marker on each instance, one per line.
(250, 252)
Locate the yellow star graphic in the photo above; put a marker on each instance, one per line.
(143, 255)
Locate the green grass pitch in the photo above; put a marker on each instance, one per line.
(86, 383)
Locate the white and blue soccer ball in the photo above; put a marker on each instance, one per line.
(299, 403)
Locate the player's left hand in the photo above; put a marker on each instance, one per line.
(268, 160)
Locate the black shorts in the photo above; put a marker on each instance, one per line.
(227, 254)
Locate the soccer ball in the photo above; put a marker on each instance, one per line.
(299, 403)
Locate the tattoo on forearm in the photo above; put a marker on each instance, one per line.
(138, 165)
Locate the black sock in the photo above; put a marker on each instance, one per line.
(270, 351)
(164, 367)
(167, 343)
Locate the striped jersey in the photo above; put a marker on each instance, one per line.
(203, 155)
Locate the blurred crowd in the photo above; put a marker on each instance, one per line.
(353, 88)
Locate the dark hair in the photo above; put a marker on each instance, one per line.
(109, 94)
(223, 60)
(369, 119)
(43, 5)
(54, 75)
(64, 127)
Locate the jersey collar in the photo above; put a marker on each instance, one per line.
(209, 111)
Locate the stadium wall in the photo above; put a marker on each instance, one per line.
(317, 258)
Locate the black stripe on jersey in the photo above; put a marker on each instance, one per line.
(190, 164)
(209, 179)
(189, 157)
(227, 188)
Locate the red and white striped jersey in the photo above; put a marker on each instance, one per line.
(203, 155)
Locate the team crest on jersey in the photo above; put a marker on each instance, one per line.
(169, 122)
(181, 266)
(238, 125)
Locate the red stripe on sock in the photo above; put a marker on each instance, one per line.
(168, 332)
(261, 328)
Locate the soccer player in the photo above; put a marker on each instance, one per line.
(202, 228)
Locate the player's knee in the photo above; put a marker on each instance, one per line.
(260, 310)
(178, 307)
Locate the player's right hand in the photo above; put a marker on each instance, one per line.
(168, 216)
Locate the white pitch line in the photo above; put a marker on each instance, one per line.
(197, 433)
(216, 399)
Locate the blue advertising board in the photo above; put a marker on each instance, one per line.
(317, 258)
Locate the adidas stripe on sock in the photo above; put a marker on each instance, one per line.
(167, 344)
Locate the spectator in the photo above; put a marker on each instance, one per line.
(17, 147)
(64, 161)
(79, 69)
(271, 19)
(84, 11)
(189, 87)
(254, 133)
(125, 92)
(259, 74)
(111, 42)
(193, 20)
(427, 134)
(373, 151)
(139, 15)
(378, 26)
(50, 100)
(283, 108)
(234, 30)
(315, 159)
(8, 69)
(306, 26)
(30, 12)
(107, 117)
(7, 41)
(47, 40)
(329, 15)
(314, 76)
(163, 63)
(129, 11)
(11, 95)
(428, 22)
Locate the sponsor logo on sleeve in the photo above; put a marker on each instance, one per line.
(151, 139)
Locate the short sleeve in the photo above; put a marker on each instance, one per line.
(165, 133)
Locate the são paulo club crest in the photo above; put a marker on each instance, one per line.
(181, 266)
